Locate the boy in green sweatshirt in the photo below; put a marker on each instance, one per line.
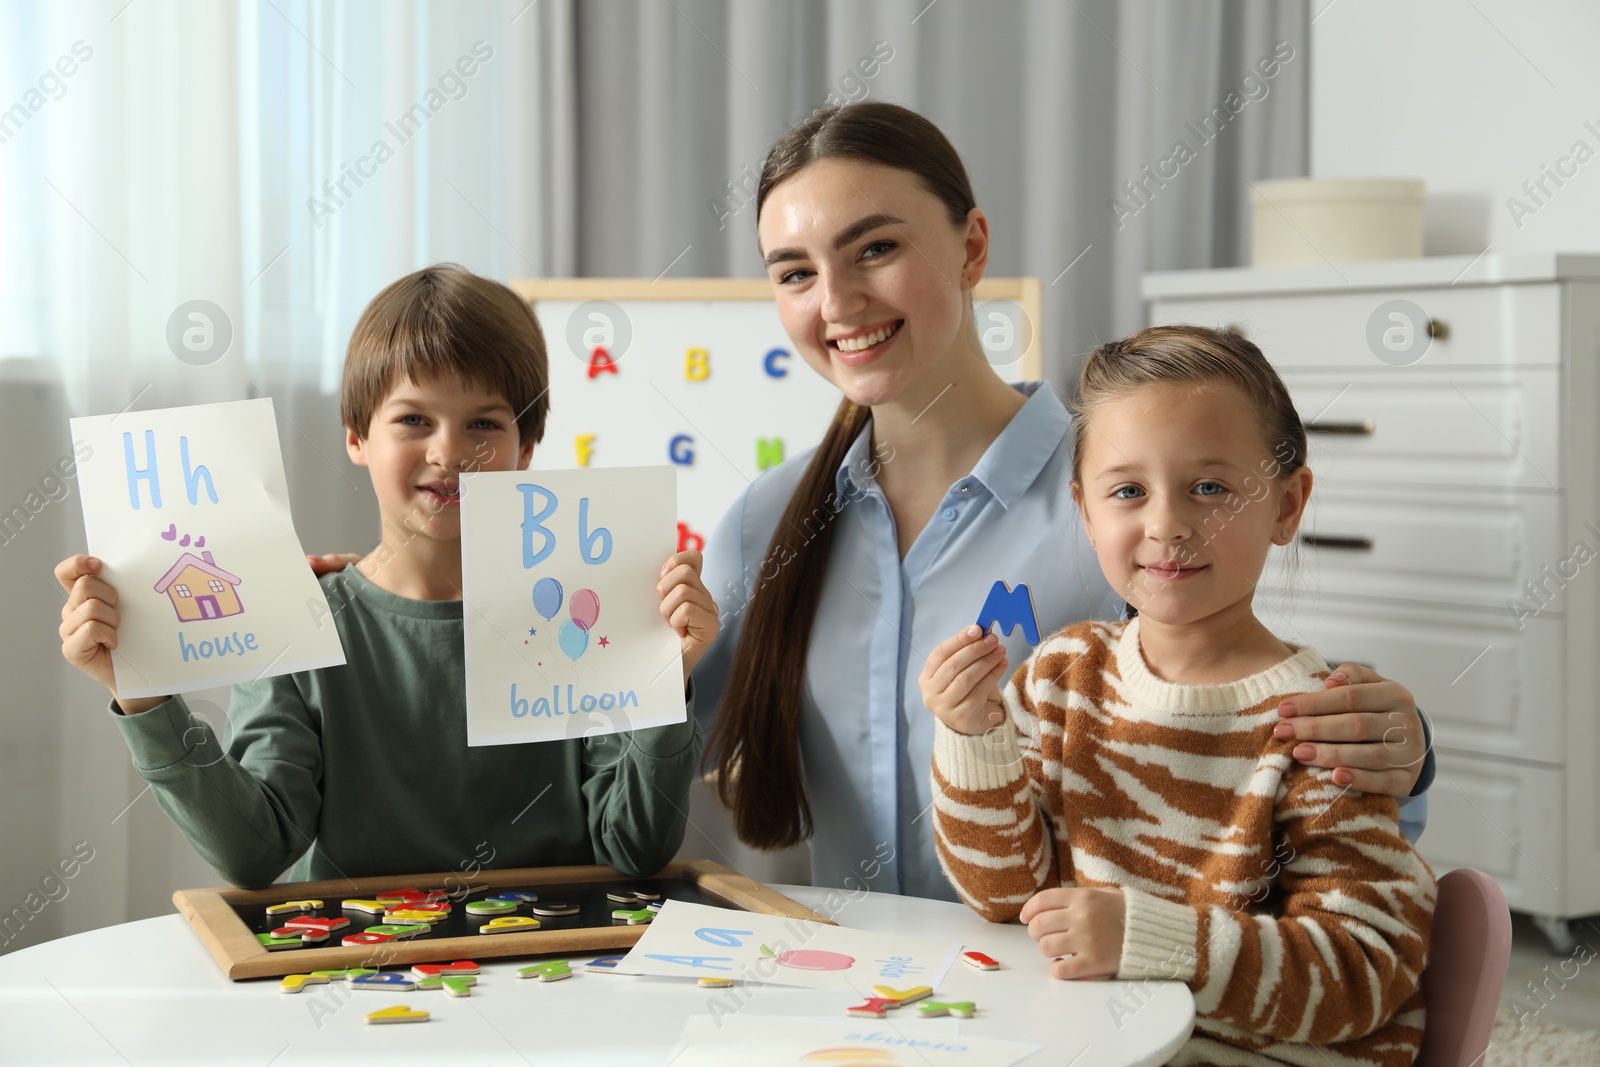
(364, 769)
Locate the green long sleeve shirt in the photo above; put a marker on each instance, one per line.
(364, 769)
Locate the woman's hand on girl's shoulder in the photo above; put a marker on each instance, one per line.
(1364, 726)
(960, 682)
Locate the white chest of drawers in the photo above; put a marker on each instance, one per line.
(1453, 537)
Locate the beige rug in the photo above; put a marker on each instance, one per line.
(1540, 1044)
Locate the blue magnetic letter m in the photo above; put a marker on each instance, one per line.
(1010, 608)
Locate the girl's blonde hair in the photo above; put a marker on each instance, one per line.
(1196, 355)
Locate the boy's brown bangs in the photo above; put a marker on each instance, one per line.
(446, 322)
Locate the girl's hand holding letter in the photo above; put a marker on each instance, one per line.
(960, 682)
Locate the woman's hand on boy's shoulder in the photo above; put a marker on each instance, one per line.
(1363, 725)
(687, 606)
(960, 681)
(332, 562)
(1081, 929)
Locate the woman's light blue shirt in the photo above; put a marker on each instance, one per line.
(866, 739)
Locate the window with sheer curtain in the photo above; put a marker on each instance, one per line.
(199, 196)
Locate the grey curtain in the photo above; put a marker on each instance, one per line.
(1053, 104)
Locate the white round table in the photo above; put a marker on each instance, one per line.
(147, 992)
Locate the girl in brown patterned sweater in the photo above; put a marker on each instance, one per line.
(1126, 796)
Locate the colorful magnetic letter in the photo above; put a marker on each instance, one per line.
(696, 365)
(518, 895)
(344, 974)
(640, 917)
(980, 961)
(418, 896)
(715, 983)
(688, 540)
(583, 444)
(1010, 608)
(373, 907)
(445, 970)
(368, 938)
(902, 996)
(292, 907)
(275, 944)
(552, 971)
(490, 907)
(961, 1009)
(874, 1008)
(600, 362)
(293, 983)
(398, 930)
(603, 964)
(678, 450)
(553, 907)
(400, 1013)
(509, 924)
(309, 922)
(393, 981)
(769, 363)
(768, 453)
(414, 915)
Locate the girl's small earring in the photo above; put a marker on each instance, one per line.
(1091, 544)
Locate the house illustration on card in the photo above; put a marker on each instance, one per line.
(199, 589)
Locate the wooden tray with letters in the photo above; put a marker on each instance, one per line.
(229, 920)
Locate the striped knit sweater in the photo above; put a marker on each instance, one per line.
(1294, 909)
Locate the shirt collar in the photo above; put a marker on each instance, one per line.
(1010, 465)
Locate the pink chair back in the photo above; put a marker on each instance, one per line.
(1466, 970)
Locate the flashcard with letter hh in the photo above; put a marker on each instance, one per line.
(188, 511)
(564, 634)
(699, 941)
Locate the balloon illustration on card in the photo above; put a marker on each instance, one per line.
(547, 597)
(583, 610)
(574, 640)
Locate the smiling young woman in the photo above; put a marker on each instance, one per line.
(935, 479)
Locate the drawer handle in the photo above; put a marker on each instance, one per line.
(1342, 429)
(1438, 329)
(1357, 542)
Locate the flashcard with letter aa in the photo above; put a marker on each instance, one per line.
(563, 625)
(700, 941)
(188, 510)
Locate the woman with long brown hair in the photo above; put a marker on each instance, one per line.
(839, 571)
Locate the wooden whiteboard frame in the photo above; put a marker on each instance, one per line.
(231, 942)
(1028, 293)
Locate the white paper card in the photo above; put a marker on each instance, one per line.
(741, 1040)
(699, 941)
(188, 510)
(563, 625)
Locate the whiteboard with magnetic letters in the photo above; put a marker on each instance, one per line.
(756, 391)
